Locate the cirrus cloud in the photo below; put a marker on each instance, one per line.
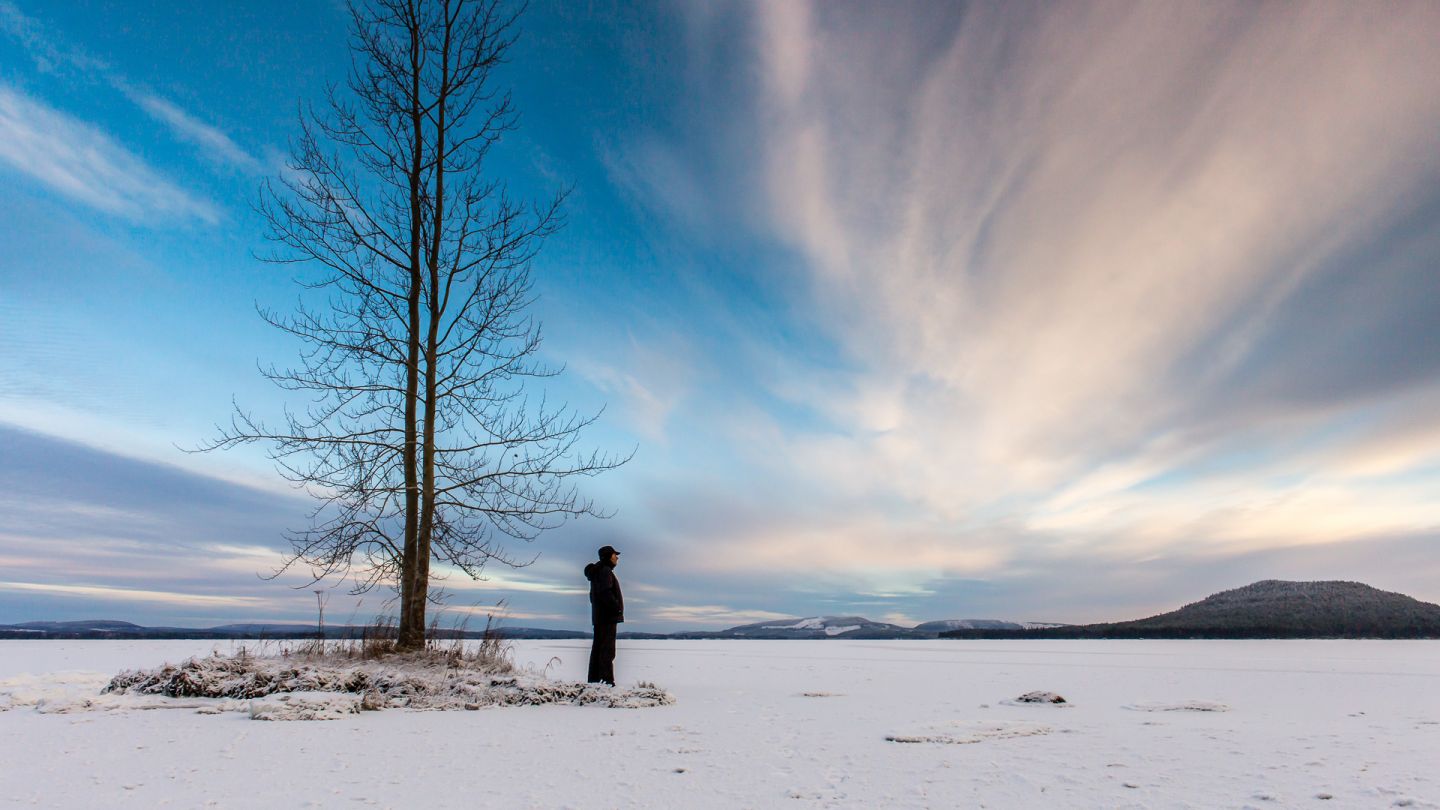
(79, 161)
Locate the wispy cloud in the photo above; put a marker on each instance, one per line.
(711, 615)
(499, 581)
(52, 55)
(48, 54)
(91, 527)
(651, 382)
(79, 161)
(866, 552)
(214, 144)
(108, 593)
(1052, 232)
(502, 615)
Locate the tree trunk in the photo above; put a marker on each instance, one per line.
(413, 580)
(435, 312)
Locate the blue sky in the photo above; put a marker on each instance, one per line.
(1052, 312)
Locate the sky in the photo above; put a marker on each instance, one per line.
(1051, 312)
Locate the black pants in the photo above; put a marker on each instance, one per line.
(602, 655)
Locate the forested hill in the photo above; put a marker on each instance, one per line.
(1268, 609)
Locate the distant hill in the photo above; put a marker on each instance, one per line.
(105, 628)
(96, 625)
(980, 624)
(847, 627)
(814, 627)
(1268, 609)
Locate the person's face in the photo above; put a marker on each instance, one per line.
(615, 559)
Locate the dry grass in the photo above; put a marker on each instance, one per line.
(380, 642)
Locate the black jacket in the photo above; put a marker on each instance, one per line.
(607, 604)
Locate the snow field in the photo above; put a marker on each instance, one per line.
(789, 724)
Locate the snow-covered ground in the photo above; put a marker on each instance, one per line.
(790, 724)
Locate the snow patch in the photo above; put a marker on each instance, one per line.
(1182, 706)
(28, 690)
(814, 623)
(959, 734)
(306, 706)
(71, 692)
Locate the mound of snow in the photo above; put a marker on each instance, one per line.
(53, 688)
(415, 683)
(306, 706)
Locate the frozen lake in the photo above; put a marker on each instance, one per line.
(792, 724)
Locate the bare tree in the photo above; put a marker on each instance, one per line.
(420, 441)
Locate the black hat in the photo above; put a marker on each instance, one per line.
(606, 551)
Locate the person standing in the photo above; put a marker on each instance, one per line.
(607, 609)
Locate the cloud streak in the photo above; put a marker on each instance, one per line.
(1038, 251)
(711, 615)
(52, 56)
(113, 594)
(1054, 229)
(49, 56)
(94, 534)
(81, 162)
(214, 144)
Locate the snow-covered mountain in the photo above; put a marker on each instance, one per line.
(808, 627)
(981, 624)
(818, 627)
(968, 624)
(827, 625)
